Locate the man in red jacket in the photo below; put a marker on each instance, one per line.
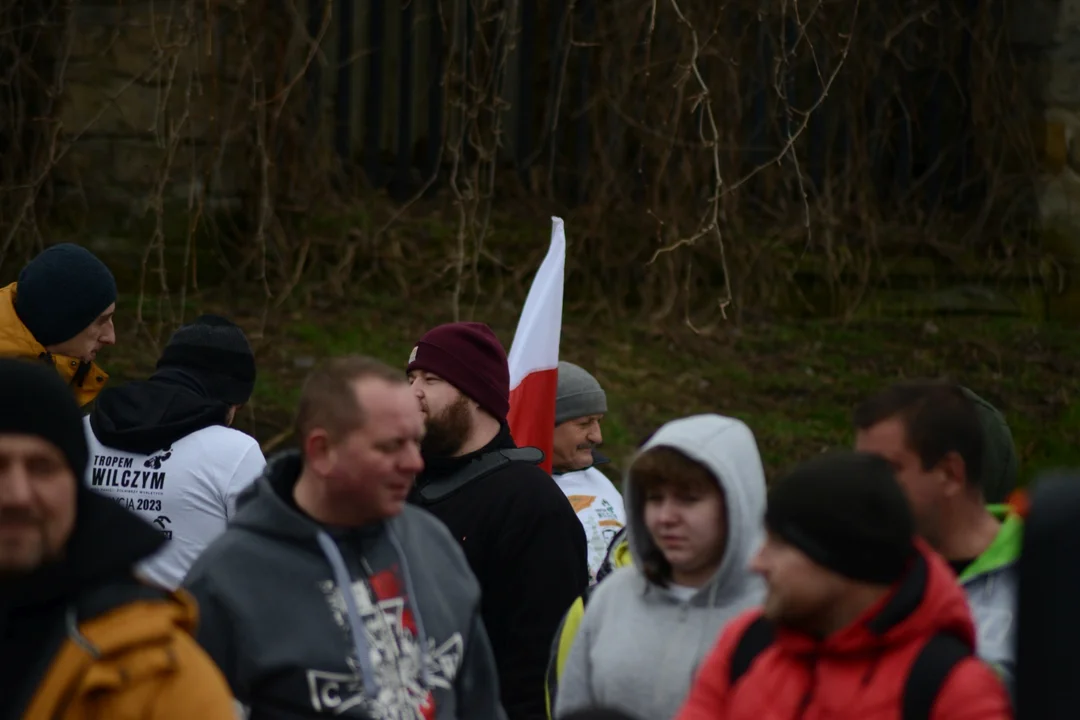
(862, 620)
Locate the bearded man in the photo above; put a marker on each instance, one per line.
(520, 534)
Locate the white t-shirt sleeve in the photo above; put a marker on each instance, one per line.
(250, 467)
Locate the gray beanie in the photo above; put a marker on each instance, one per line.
(578, 394)
(1001, 466)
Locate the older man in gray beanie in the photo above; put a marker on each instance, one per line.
(580, 406)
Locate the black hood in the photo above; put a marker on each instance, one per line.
(150, 415)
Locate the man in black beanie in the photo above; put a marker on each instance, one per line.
(70, 605)
(61, 311)
(860, 615)
(164, 448)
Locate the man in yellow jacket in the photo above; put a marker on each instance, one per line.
(61, 312)
(80, 636)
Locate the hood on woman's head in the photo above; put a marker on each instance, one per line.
(685, 454)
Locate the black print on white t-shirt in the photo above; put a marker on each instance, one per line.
(155, 461)
(161, 521)
(110, 471)
(138, 490)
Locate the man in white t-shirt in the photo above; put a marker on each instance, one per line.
(580, 405)
(164, 449)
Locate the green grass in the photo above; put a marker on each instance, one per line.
(794, 383)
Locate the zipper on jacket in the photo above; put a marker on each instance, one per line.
(808, 696)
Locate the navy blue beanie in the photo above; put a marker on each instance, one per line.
(62, 291)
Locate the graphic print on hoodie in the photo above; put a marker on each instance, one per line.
(405, 643)
(391, 632)
(161, 449)
(639, 645)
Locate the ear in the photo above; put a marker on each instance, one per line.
(319, 452)
(954, 472)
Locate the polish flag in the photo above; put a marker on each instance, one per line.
(534, 355)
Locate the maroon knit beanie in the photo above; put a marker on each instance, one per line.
(468, 356)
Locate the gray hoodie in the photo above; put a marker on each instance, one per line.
(405, 643)
(638, 646)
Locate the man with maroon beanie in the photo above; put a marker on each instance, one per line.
(519, 532)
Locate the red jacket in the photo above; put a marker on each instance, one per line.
(858, 672)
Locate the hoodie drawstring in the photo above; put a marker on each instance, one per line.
(356, 625)
(71, 624)
(421, 634)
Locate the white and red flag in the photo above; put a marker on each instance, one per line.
(534, 354)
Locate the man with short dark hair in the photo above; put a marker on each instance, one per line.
(165, 447)
(61, 311)
(80, 636)
(861, 620)
(328, 595)
(931, 434)
(519, 532)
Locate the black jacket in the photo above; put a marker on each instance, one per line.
(527, 548)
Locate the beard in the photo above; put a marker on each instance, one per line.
(21, 556)
(812, 616)
(447, 431)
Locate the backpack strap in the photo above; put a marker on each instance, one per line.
(932, 666)
(756, 638)
(479, 467)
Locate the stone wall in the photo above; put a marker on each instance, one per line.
(1047, 32)
(149, 101)
(148, 93)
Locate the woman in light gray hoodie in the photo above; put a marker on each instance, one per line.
(695, 498)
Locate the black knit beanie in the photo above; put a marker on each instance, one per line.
(217, 352)
(62, 291)
(847, 513)
(35, 401)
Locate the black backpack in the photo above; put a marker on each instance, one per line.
(935, 661)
